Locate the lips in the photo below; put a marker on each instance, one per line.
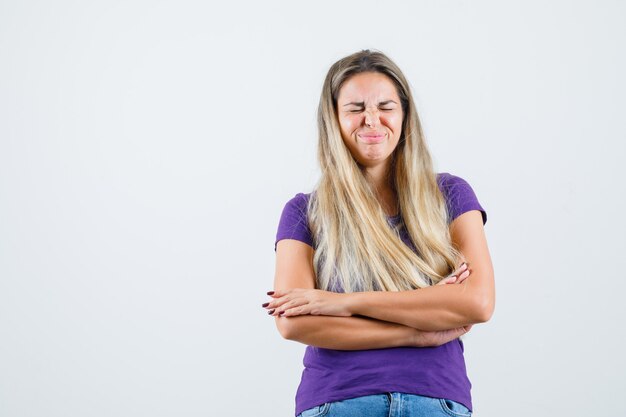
(371, 137)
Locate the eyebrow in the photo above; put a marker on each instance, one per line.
(362, 104)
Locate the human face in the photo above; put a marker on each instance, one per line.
(370, 118)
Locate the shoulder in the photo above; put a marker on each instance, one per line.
(293, 222)
(447, 181)
(296, 208)
(459, 194)
(299, 202)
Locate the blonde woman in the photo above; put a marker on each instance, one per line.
(367, 265)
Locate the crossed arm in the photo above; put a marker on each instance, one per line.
(377, 319)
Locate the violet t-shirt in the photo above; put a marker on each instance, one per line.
(335, 375)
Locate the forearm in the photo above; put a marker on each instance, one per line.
(431, 308)
(345, 333)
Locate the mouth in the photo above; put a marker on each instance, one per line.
(371, 138)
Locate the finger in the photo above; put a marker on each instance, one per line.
(447, 280)
(459, 271)
(297, 311)
(461, 268)
(457, 277)
(278, 293)
(438, 338)
(276, 303)
(453, 334)
(464, 276)
(289, 304)
(281, 304)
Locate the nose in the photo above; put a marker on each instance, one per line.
(371, 118)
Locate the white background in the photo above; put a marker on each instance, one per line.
(148, 148)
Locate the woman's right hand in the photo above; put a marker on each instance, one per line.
(438, 338)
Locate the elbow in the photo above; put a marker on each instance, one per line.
(484, 305)
(285, 328)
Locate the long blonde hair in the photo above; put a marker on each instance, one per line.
(356, 249)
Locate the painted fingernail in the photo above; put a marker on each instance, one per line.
(270, 293)
(265, 304)
(271, 312)
(280, 313)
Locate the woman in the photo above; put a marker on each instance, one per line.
(367, 265)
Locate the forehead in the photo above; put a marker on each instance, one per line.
(368, 86)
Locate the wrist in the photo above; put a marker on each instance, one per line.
(417, 338)
(351, 303)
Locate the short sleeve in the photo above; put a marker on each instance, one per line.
(459, 195)
(293, 222)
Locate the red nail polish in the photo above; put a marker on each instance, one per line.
(270, 293)
(271, 312)
(265, 304)
(280, 313)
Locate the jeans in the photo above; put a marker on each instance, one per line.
(392, 404)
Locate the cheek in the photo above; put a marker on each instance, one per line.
(348, 124)
(394, 122)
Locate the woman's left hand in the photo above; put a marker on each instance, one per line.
(301, 301)
(457, 276)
